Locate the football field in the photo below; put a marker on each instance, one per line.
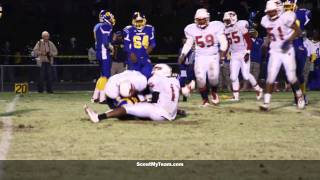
(55, 127)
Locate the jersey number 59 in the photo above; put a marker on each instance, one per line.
(207, 41)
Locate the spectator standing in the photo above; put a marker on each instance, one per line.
(45, 50)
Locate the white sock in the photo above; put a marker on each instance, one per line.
(95, 94)
(267, 98)
(236, 87)
(102, 96)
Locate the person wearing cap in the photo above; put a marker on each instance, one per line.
(45, 51)
(119, 57)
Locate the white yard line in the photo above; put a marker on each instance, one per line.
(7, 131)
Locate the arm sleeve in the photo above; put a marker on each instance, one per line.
(248, 40)
(127, 43)
(308, 16)
(188, 44)
(152, 38)
(223, 42)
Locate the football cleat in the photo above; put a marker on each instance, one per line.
(259, 94)
(301, 103)
(94, 100)
(186, 90)
(215, 99)
(234, 99)
(92, 115)
(205, 103)
(264, 107)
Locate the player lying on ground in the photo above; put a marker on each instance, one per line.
(165, 91)
(124, 85)
(282, 30)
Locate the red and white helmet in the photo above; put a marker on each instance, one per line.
(273, 9)
(162, 70)
(126, 89)
(202, 18)
(230, 18)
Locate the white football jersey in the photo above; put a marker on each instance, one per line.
(279, 30)
(313, 47)
(234, 34)
(169, 91)
(206, 40)
(138, 80)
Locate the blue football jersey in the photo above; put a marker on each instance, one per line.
(256, 51)
(137, 41)
(303, 18)
(102, 34)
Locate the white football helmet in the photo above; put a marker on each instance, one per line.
(126, 89)
(272, 10)
(230, 18)
(162, 70)
(202, 18)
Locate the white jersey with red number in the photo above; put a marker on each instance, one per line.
(169, 89)
(206, 40)
(234, 34)
(279, 30)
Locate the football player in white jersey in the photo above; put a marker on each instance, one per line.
(282, 30)
(124, 85)
(164, 102)
(208, 37)
(240, 44)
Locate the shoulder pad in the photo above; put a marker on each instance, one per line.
(217, 24)
(190, 27)
(127, 27)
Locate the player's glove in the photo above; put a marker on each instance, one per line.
(246, 57)
(285, 46)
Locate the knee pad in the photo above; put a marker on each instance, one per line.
(101, 83)
(201, 82)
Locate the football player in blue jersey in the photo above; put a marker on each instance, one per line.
(103, 36)
(139, 42)
(302, 19)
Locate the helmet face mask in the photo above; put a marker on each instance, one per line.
(273, 9)
(139, 20)
(202, 18)
(230, 18)
(273, 14)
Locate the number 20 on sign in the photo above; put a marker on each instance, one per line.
(21, 88)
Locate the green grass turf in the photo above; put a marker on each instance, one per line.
(55, 127)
